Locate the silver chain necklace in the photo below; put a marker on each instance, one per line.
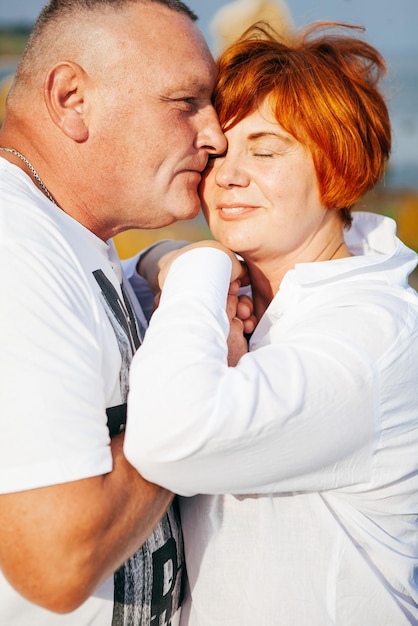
(32, 169)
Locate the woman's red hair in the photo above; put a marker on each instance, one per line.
(323, 91)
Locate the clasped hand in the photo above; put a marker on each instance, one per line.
(239, 307)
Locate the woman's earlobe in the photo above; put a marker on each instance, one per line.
(65, 99)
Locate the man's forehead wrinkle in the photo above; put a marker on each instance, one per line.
(193, 83)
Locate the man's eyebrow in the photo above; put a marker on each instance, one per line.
(197, 86)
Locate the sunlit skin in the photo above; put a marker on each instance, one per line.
(261, 199)
(130, 115)
(166, 118)
(115, 115)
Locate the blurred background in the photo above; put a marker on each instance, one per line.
(390, 26)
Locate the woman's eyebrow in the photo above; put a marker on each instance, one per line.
(266, 134)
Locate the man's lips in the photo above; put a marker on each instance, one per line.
(194, 176)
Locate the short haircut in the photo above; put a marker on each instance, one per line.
(323, 90)
(56, 8)
(59, 16)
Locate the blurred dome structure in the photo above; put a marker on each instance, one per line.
(231, 20)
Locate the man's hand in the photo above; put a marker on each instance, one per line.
(152, 259)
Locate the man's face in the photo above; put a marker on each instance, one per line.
(156, 123)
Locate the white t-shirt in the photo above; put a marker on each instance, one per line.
(315, 432)
(64, 361)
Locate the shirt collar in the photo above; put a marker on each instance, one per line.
(372, 239)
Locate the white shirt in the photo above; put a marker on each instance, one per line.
(315, 431)
(64, 360)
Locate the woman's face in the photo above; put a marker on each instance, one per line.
(261, 198)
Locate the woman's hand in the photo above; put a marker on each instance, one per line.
(242, 320)
(239, 308)
(238, 270)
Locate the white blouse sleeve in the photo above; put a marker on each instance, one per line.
(294, 415)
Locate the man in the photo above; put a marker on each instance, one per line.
(108, 126)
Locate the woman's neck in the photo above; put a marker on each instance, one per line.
(266, 277)
(264, 287)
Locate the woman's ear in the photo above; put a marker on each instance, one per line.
(65, 98)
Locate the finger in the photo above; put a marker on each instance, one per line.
(250, 324)
(231, 306)
(246, 299)
(244, 307)
(244, 275)
(239, 321)
(234, 287)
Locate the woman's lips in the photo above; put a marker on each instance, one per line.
(234, 210)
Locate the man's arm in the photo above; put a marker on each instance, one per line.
(59, 543)
(150, 261)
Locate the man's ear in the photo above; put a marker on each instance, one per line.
(65, 98)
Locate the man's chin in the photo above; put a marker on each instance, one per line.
(189, 209)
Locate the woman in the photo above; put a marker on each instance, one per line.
(315, 431)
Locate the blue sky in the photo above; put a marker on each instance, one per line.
(390, 25)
